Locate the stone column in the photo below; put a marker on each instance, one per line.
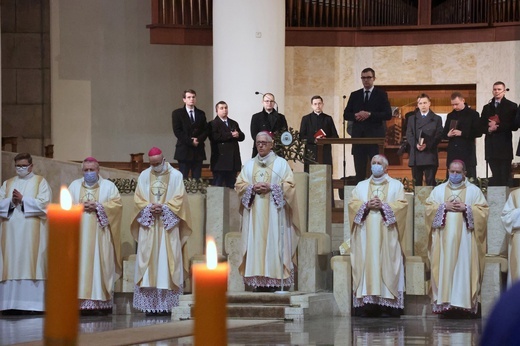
(248, 56)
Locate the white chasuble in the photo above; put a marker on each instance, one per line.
(161, 263)
(511, 222)
(457, 246)
(23, 243)
(376, 251)
(265, 217)
(100, 241)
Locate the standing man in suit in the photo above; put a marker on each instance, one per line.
(225, 153)
(497, 121)
(461, 129)
(190, 128)
(424, 133)
(309, 127)
(267, 120)
(368, 108)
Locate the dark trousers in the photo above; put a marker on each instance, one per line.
(362, 156)
(224, 178)
(428, 172)
(194, 166)
(501, 170)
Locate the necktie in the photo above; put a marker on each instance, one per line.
(496, 104)
(192, 117)
(366, 95)
(225, 122)
(424, 115)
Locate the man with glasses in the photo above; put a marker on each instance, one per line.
(23, 239)
(369, 109)
(268, 207)
(268, 119)
(161, 226)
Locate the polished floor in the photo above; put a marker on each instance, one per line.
(318, 331)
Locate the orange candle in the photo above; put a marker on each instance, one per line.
(210, 311)
(61, 290)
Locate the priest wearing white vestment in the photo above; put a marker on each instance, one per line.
(511, 222)
(268, 207)
(456, 217)
(23, 238)
(161, 226)
(378, 212)
(100, 262)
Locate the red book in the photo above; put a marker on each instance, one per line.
(320, 133)
(495, 118)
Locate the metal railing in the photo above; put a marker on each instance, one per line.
(352, 13)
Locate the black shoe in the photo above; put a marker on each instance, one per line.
(159, 313)
(15, 312)
(95, 312)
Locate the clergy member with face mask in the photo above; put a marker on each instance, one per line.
(100, 255)
(377, 212)
(23, 239)
(456, 218)
(161, 226)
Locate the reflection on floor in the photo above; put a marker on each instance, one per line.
(319, 331)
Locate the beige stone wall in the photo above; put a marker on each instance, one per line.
(334, 71)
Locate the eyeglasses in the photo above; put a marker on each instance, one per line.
(367, 77)
(22, 166)
(261, 143)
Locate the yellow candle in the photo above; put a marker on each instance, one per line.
(61, 290)
(210, 311)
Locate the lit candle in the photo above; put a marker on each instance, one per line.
(61, 290)
(210, 311)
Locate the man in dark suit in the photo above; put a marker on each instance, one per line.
(497, 121)
(461, 129)
(369, 109)
(424, 133)
(311, 124)
(190, 128)
(225, 153)
(267, 120)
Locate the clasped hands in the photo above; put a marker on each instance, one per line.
(455, 206)
(156, 208)
(89, 206)
(17, 197)
(362, 115)
(375, 203)
(261, 188)
(492, 126)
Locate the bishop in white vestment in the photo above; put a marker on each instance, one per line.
(100, 256)
(377, 212)
(161, 227)
(511, 222)
(456, 217)
(269, 212)
(23, 238)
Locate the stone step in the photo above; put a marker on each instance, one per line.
(260, 298)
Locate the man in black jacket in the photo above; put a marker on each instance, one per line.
(461, 129)
(311, 124)
(497, 121)
(225, 152)
(190, 127)
(424, 133)
(369, 108)
(267, 120)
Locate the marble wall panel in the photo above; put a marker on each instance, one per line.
(496, 233)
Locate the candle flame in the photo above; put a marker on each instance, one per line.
(65, 198)
(211, 254)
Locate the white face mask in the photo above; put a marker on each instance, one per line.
(22, 171)
(377, 170)
(158, 168)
